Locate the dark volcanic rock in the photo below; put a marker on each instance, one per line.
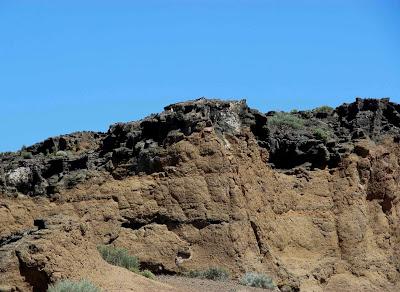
(141, 146)
(42, 168)
(319, 138)
(312, 139)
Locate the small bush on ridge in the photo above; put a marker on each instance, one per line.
(216, 273)
(119, 257)
(323, 109)
(286, 119)
(70, 286)
(212, 273)
(26, 155)
(147, 274)
(321, 134)
(257, 280)
(193, 274)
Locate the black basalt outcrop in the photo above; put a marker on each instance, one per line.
(317, 138)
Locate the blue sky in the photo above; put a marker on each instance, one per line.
(82, 65)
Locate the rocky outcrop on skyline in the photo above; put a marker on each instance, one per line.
(312, 139)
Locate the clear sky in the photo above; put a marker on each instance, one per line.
(82, 65)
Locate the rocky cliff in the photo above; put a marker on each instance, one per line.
(308, 197)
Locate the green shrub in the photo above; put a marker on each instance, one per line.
(70, 286)
(193, 274)
(147, 274)
(323, 109)
(26, 155)
(216, 274)
(257, 280)
(321, 134)
(286, 119)
(62, 153)
(119, 257)
(212, 273)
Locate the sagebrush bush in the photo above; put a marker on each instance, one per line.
(321, 134)
(257, 280)
(119, 257)
(70, 286)
(216, 273)
(26, 155)
(212, 273)
(286, 119)
(61, 153)
(147, 274)
(323, 109)
(193, 274)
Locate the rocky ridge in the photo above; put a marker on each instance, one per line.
(309, 197)
(142, 147)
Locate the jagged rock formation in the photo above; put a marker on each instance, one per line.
(143, 147)
(309, 197)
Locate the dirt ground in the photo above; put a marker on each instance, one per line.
(203, 285)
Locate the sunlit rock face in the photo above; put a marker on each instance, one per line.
(308, 197)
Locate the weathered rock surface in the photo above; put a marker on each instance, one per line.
(310, 197)
(61, 249)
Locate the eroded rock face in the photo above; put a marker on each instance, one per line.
(63, 249)
(211, 182)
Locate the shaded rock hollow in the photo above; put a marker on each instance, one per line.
(308, 197)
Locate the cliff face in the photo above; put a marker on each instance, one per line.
(310, 198)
